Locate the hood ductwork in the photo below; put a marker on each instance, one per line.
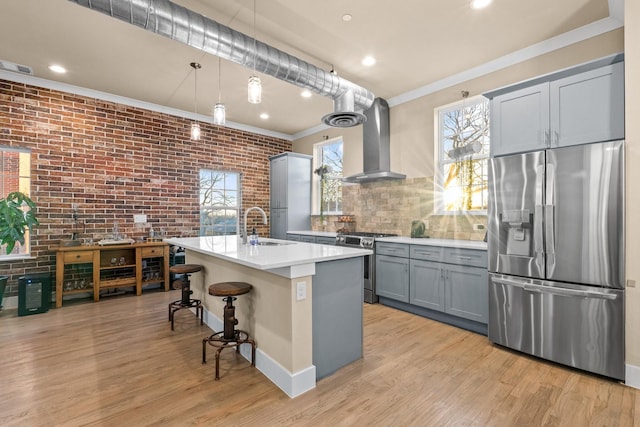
(188, 27)
(375, 146)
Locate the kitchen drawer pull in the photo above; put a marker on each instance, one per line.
(468, 258)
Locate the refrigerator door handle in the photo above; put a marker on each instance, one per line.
(568, 292)
(538, 241)
(549, 227)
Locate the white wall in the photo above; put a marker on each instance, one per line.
(632, 235)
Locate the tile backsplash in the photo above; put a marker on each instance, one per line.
(391, 206)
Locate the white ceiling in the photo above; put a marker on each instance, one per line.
(418, 44)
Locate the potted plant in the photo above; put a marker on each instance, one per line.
(14, 221)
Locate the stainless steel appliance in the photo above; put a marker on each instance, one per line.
(364, 240)
(556, 255)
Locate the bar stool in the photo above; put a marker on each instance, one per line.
(186, 301)
(229, 337)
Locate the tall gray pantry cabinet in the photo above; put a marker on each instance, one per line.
(290, 185)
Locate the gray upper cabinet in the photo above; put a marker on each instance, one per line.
(588, 107)
(565, 110)
(520, 120)
(290, 193)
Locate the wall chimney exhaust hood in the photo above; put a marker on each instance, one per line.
(375, 146)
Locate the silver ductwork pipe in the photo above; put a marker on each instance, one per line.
(188, 27)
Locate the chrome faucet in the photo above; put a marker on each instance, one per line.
(264, 218)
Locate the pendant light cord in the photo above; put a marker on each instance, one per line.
(255, 49)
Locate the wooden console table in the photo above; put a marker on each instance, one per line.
(112, 266)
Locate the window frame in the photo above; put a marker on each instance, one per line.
(315, 178)
(237, 207)
(24, 186)
(441, 162)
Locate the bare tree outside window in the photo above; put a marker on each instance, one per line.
(328, 156)
(464, 150)
(219, 202)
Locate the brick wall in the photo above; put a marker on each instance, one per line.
(114, 161)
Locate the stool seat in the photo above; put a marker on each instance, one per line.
(229, 289)
(185, 268)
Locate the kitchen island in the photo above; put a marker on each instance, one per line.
(305, 308)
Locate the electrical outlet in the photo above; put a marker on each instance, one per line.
(478, 227)
(631, 283)
(301, 291)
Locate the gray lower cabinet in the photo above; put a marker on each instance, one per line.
(326, 240)
(448, 280)
(308, 238)
(392, 277)
(426, 284)
(467, 292)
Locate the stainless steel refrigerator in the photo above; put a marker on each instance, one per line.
(556, 255)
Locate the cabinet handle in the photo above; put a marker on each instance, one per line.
(78, 256)
(468, 258)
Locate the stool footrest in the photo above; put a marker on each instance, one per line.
(218, 341)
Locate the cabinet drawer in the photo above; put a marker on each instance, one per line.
(426, 253)
(78, 257)
(154, 252)
(469, 257)
(326, 240)
(392, 249)
(307, 239)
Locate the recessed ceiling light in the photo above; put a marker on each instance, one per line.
(479, 4)
(264, 116)
(57, 68)
(305, 94)
(346, 17)
(368, 61)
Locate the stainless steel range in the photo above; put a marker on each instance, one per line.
(367, 241)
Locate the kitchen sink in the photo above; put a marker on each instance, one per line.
(273, 243)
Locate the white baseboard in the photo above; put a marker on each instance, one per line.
(292, 384)
(632, 376)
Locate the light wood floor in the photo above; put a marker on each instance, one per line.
(117, 363)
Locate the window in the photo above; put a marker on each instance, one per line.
(15, 166)
(463, 152)
(219, 202)
(327, 176)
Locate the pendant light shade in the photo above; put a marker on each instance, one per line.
(195, 126)
(195, 131)
(219, 114)
(255, 90)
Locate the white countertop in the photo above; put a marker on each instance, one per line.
(314, 233)
(449, 243)
(288, 254)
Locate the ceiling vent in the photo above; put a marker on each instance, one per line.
(16, 68)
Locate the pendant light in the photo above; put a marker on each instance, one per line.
(255, 86)
(219, 113)
(195, 126)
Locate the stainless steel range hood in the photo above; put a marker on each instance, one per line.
(375, 146)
